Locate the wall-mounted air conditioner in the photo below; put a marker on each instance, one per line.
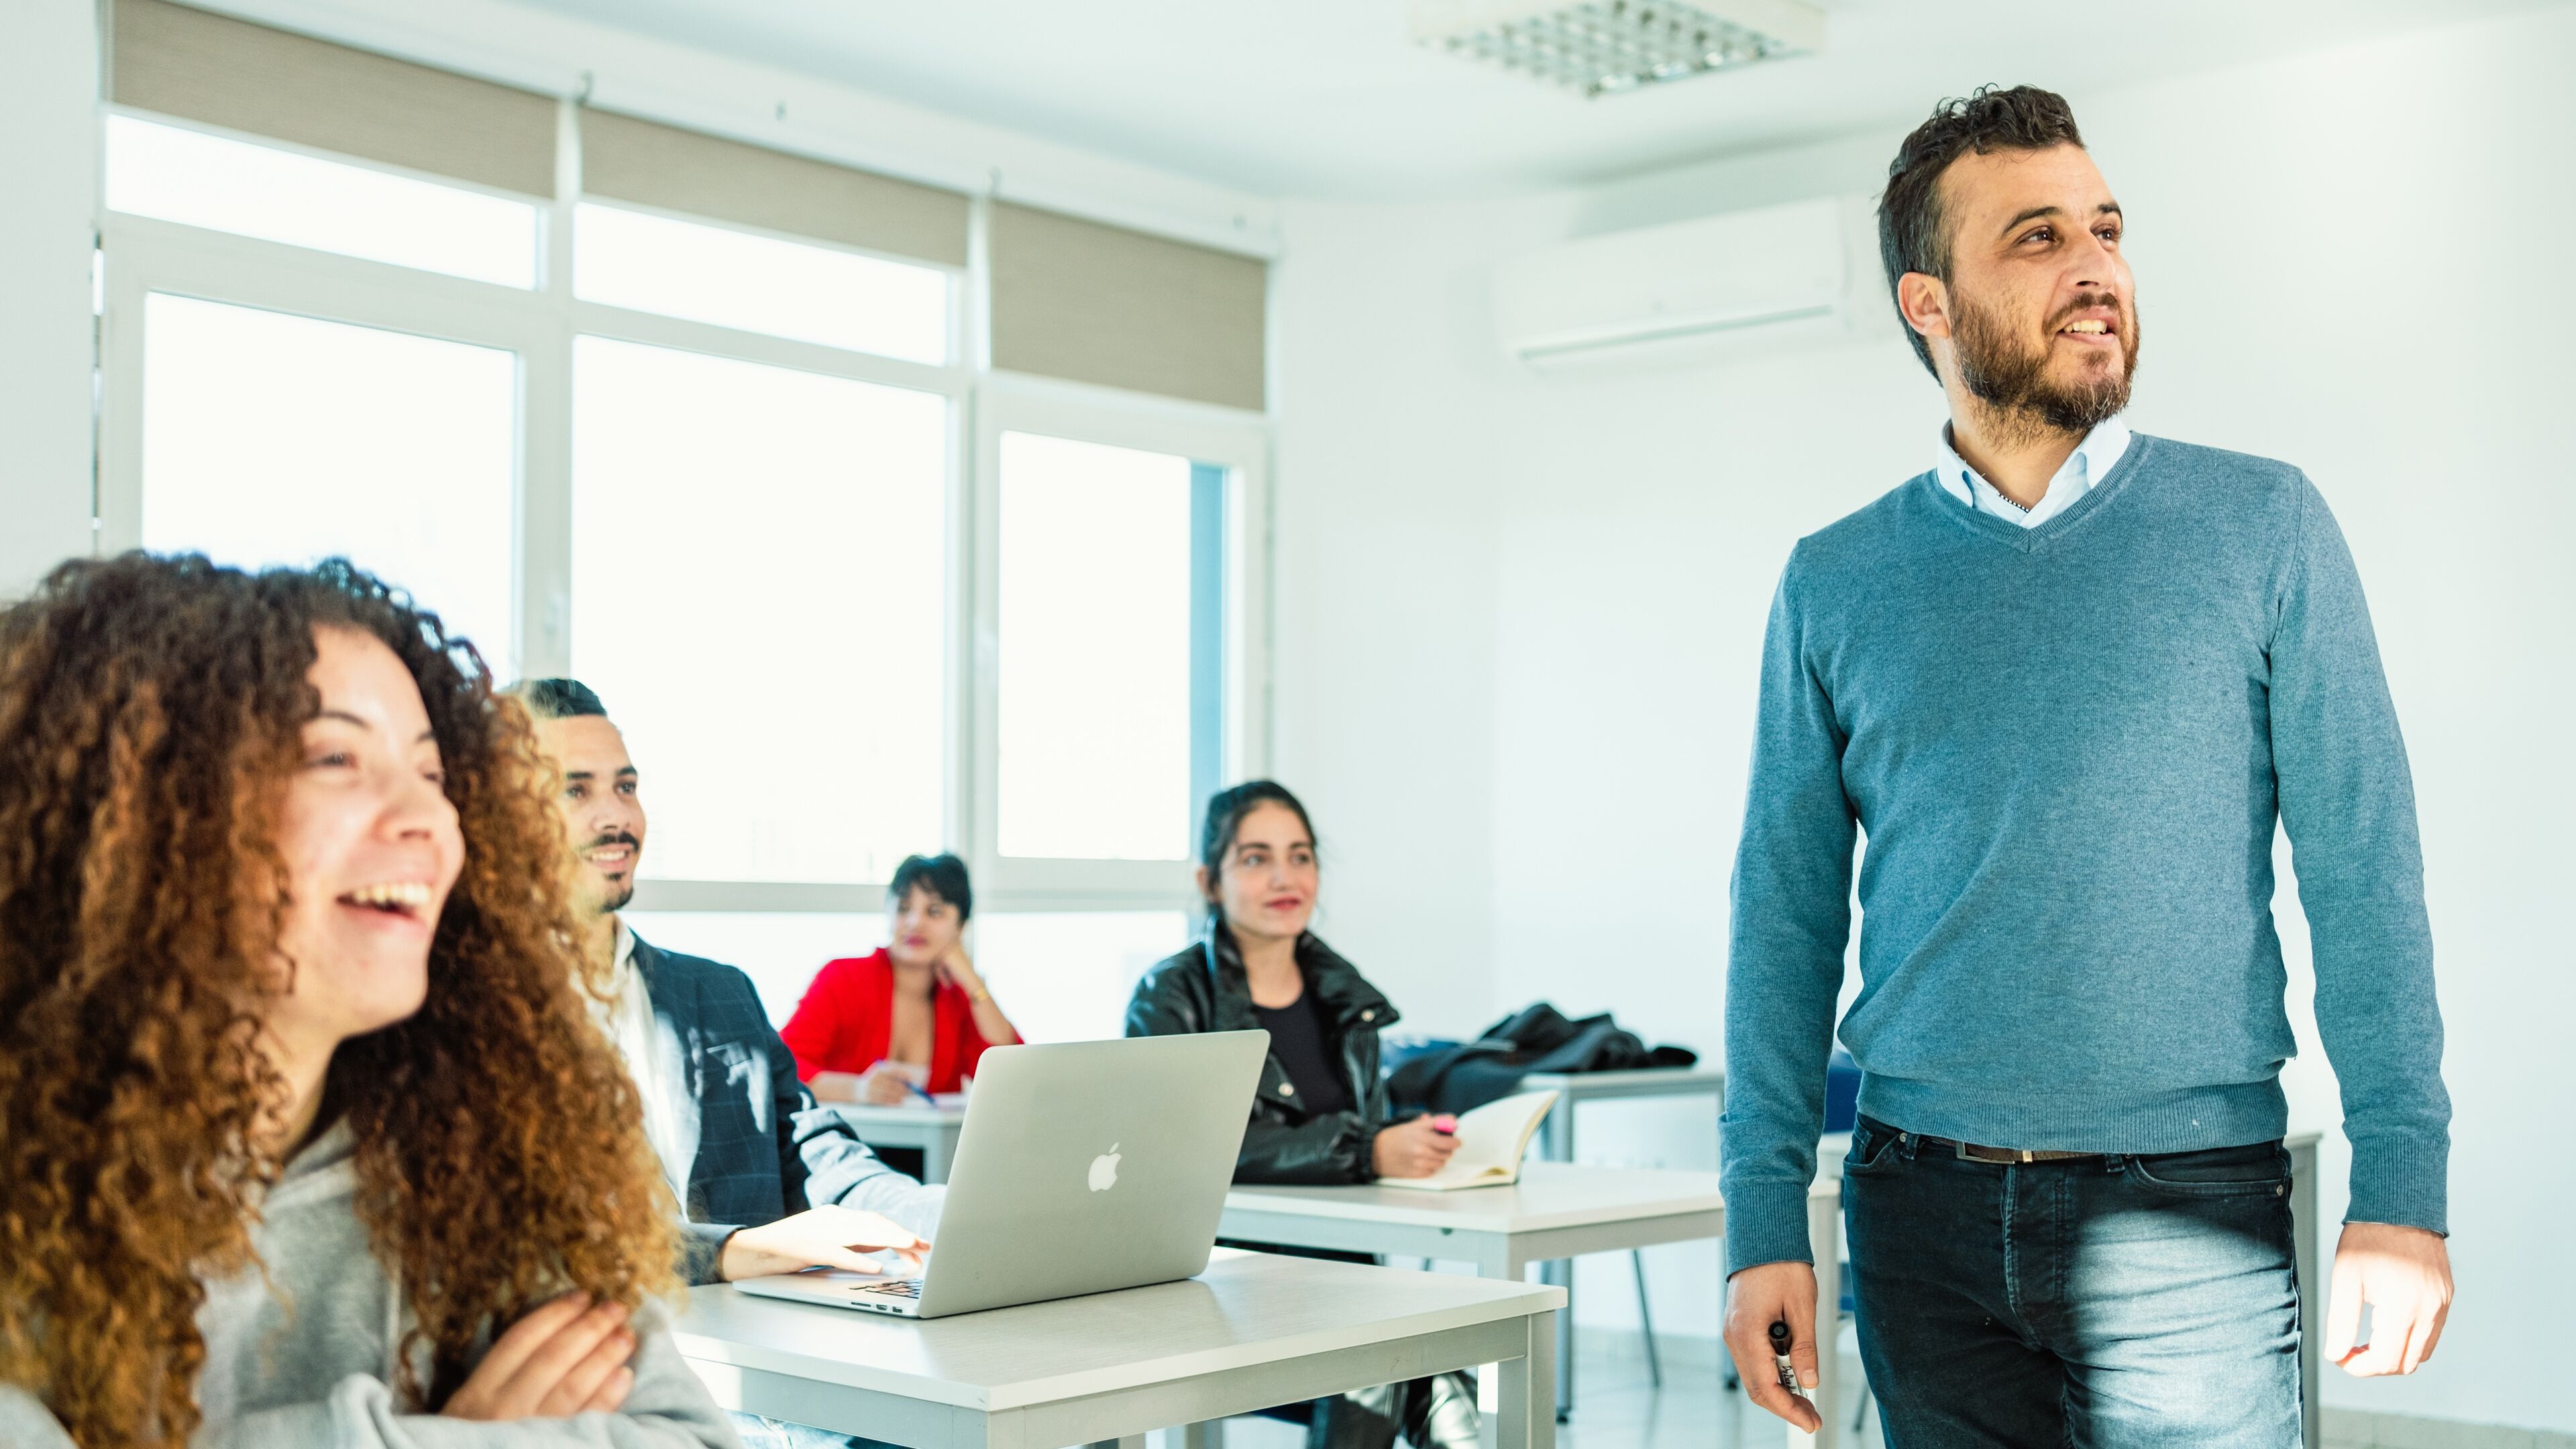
(1777, 277)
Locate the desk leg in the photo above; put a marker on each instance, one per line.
(2312, 1299)
(1824, 1233)
(936, 1153)
(1527, 1417)
(1556, 1144)
(1500, 1264)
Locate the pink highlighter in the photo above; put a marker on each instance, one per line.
(1445, 1124)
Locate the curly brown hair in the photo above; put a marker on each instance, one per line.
(151, 711)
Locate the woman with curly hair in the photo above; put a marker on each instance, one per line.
(304, 1136)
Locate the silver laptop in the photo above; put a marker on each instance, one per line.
(1081, 1168)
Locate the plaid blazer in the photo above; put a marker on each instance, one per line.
(765, 1149)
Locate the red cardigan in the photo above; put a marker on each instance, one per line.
(847, 1015)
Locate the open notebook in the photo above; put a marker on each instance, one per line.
(1491, 1140)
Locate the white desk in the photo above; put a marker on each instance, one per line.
(920, 1125)
(1556, 1144)
(1556, 1211)
(1255, 1330)
(2312, 1297)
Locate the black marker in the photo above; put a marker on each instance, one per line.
(1780, 1355)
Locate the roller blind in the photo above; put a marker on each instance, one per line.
(624, 159)
(225, 72)
(1100, 304)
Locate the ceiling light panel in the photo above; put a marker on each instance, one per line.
(1603, 47)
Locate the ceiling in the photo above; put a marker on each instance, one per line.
(1330, 98)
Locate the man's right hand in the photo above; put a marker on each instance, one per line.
(564, 1357)
(1411, 1149)
(1756, 1298)
(823, 1237)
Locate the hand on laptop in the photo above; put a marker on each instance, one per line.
(825, 1237)
(1412, 1148)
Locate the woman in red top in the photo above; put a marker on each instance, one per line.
(913, 1014)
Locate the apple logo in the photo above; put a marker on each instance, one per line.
(1104, 1170)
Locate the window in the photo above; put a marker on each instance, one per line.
(1095, 651)
(758, 567)
(176, 174)
(760, 284)
(779, 950)
(851, 593)
(271, 438)
(1059, 975)
(1066, 975)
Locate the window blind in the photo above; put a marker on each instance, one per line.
(1092, 303)
(625, 159)
(200, 66)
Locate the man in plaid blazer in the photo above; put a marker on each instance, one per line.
(769, 1181)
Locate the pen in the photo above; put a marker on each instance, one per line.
(1780, 1356)
(921, 1091)
(1445, 1125)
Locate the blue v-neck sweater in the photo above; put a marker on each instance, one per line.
(2066, 746)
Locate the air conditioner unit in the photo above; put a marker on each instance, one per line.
(1745, 281)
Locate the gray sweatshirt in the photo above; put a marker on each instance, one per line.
(316, 1368)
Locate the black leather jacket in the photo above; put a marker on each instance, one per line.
(1202, 988)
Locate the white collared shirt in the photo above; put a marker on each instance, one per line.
(651, 1050)
(2092, 459)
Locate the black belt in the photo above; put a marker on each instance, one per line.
(1975, 1152)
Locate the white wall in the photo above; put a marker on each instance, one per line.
(49, 174)
(1383, 599)
(2346, 260)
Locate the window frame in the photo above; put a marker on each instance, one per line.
(1204, 433)
(143, 255)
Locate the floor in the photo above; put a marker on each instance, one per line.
(1618, 1406)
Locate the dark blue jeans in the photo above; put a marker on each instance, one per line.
(2100, 1303)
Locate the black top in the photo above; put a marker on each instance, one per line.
(1202, 988)
(1297, 1040)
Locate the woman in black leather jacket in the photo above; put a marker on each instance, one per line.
(1320, 1114)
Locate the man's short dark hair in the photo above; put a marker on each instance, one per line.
(1912, 234)
(558, 699)
(943, 876)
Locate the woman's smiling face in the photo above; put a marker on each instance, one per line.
(372, 847)
(1268, 880)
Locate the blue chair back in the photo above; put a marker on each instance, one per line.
(1842, 1092)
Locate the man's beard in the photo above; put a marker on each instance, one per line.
(2014, 382)
(615, 894)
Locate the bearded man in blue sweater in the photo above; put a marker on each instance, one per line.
(2065, 683)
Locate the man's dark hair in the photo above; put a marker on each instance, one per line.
(943, 876)
(558, 699)
(1912, 234)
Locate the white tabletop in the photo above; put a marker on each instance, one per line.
(1641, 1082)
(1248, 1309)
(1549, 1195)
(909, 1114)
